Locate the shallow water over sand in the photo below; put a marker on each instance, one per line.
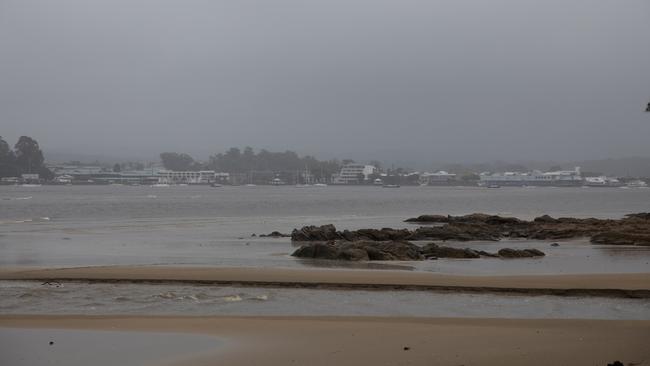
(25, 297)
(199, 225)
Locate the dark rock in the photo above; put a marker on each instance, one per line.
(498, 220)
(621, 238)
(640, 215)
(535, 252)
(520, 253)
(456, 231)
(616, 363)
(353, 254)
(483, 253)
(429, 218)
(360, 250)
(557, 232)
(275, 234)
(348, 235)
(545, 219)
(315, 233)
(395, 250)
(434, 250)
(317, 250)
(471, 218)
(51, 343)
(384, 234)
(555, 245)
(328, 232)
(632, 230)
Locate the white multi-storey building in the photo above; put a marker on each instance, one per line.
(351, 173)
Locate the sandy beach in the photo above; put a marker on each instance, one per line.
(384, 341)
(353, 340)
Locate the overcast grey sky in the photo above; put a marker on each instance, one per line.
(414, 80)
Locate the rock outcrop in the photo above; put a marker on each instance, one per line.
(621, 238)
(433, 250)
(361, 250)
(457, 232)
(520, 253)
(315, 233)
(634, 229)
(429, 219)
(398, 250)
(329, 232)
(275, 234)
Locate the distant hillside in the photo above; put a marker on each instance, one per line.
(621, 167)
(62, 156)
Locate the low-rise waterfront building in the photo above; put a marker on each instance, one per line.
(602, 181)
(189, 177)
(560, 178)
(438, 178)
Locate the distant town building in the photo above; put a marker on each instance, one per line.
(535, 178)
(438, 178)
(602, 181)
(30, 177)
(75, 170)
(79, 174)
(188, 177)
(353, 174)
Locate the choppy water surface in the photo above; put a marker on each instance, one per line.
(199, 225)
(26, 297)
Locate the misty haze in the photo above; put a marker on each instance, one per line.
(410, 81)
(324, 182)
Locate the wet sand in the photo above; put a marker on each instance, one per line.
(617, 285)
(384, 341)
(72, 347)
(317, 340)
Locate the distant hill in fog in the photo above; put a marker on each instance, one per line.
(62, 156)
(632, 166)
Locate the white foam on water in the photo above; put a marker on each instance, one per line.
(233, 298)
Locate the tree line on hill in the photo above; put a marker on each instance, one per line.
(234, 160)
(25, 158)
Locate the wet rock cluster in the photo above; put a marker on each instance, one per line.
(399, 250)
(326, 242)
(634, 229)
(361, 251)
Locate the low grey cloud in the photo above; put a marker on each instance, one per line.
(393, 80)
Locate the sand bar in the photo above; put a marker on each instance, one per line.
(616, 285)
(382, 341)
